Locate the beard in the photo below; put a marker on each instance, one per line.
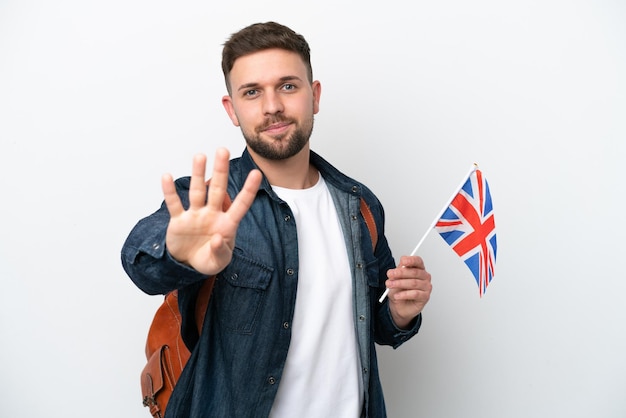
(280, 147)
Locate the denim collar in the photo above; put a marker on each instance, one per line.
(328, 171)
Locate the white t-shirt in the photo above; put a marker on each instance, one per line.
(322, 375)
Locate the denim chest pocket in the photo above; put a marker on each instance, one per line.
(240, 292)
(372, 271)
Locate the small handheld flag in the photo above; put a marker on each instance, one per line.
(467, 224)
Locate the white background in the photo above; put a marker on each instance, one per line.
(98, 99)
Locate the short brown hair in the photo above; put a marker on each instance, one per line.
(261, 36)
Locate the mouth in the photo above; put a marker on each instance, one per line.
(276, 129)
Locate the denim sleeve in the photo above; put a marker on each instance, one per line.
(385, 330)
(145, 258)
(387, 333)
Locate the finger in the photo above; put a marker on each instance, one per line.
(414, 295)
(219, 179)
(220, 248)
(422, 283)
(246, 196)
(172, 200)
(408, 278)
(403, 272)
(197, 187)
(419, 283)
(412, 261)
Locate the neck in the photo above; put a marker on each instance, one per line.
(292, 173)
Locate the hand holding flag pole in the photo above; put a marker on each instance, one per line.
(471, 229)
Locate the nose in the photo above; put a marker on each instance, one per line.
(272, 103)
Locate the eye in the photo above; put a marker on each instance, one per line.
(250, 93)
(289, 87)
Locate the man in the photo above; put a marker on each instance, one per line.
(292, 321)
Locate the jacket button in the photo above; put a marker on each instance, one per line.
(287, 218)
(361, 317)
(290, 271)
(271, 380)
(286, 325)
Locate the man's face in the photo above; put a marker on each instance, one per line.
(272, 102)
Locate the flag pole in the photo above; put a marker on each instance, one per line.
(432, 225)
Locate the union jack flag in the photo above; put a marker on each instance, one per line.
(468, 226)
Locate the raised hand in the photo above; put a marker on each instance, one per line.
(203, 236)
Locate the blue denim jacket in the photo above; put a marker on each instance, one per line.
(237, 362)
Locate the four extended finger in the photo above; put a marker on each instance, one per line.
(219, 179)
(246, 196)
(197, 187)
(172, 200)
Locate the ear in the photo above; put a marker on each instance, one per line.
(317, 92)
(227, 102)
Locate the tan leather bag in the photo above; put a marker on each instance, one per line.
(166, 352)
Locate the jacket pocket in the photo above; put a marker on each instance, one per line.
(240, 292)
(372, 271)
